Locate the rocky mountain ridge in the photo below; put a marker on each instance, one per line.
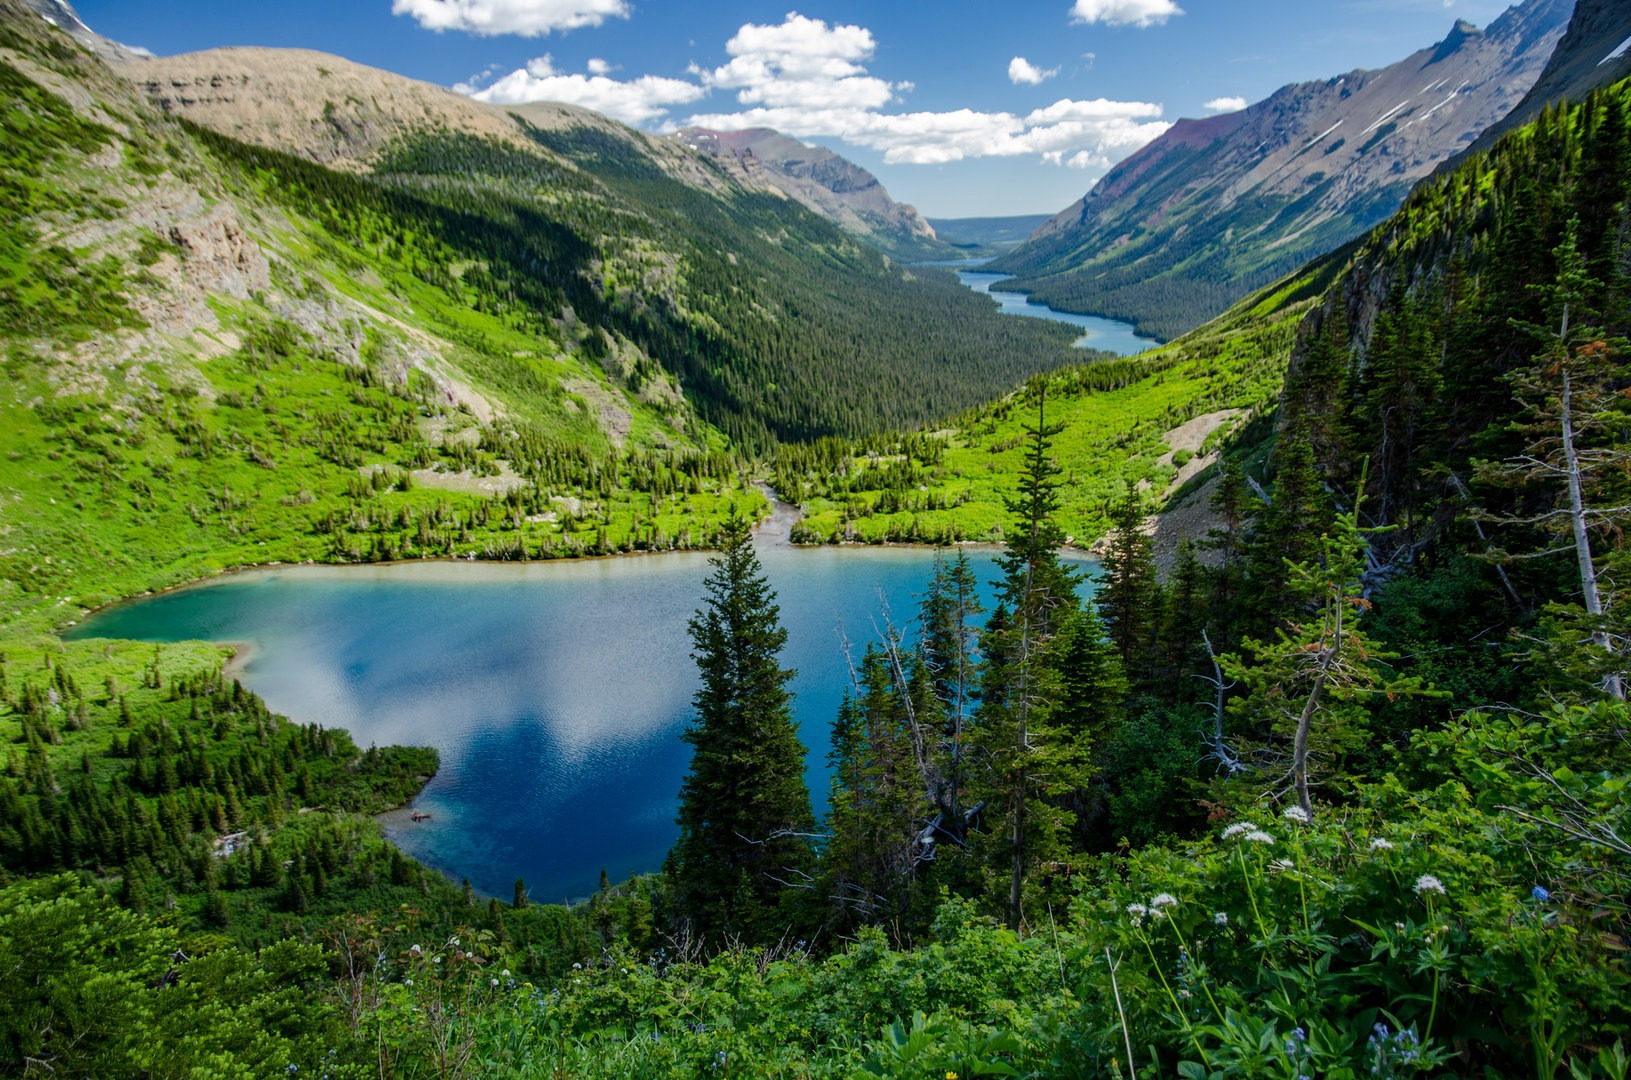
(822, 180)
(1218, 206)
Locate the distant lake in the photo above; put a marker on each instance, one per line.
(556, 692)
(1097, 333)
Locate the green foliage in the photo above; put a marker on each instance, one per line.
(744, 811)
(46, 289)
(1113, 414)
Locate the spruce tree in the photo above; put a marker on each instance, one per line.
(1025, 755)
(744, 811)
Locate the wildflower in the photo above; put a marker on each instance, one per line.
(493, 982)
(577, 967)
(505, 973)
(1381, 844)
(1161, 900)
(1539, 893)
(1283, 865)
(1137, 910)
(1237, 828)
(1258, 836)
(453, 941)
(1427, 883)
(1220, 918)
(1297, 814)
(1157, 913)
(416, 950)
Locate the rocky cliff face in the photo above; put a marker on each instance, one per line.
(823, 181)
(1219, 206)
(1595, 51)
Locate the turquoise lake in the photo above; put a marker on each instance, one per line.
(556, 692)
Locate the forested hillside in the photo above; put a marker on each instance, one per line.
(1220, 206)
(1340, 794)
(219, 354)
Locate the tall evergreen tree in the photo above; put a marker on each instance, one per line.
(1129, 596)
(1025, 754)
(744, 811)
(946, 652)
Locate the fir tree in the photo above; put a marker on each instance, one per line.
(744, 811)
(1024, 755)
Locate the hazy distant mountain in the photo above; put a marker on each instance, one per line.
(987, 232)
(827, 183)
(1219, 206)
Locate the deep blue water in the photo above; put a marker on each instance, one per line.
(556, 692)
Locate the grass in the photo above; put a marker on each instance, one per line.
(953, 485)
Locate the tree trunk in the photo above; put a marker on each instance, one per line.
(1582, 542)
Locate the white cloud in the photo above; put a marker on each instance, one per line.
(1021, 70)
(636, 101)
(527, 18)
(809, 79)
(597, 66)
(801, 63)
(1124, 12)
(1225, 104)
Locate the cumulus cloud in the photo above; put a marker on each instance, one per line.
(636, 101)
(1124, 12)
(1021, 70)
(809, 79)
(526, 18)
(597, 66)
(1226, 104)
(801, 63)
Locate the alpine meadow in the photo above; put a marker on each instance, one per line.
(1262, 710)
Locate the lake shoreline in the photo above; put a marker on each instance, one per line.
(227, 573)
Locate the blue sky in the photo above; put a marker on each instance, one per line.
(962, 108)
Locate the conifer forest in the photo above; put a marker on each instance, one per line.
(1320, 769)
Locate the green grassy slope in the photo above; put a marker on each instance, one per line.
(951, 484)
(220, 355)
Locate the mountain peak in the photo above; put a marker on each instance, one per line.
(61, 14)
(823, 181)
(1458, 37)
(1214, 208)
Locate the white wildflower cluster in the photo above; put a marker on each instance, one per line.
(1381, 844)
(1237, 828)
(1427, 883)
(1258, 836)
(1220, 918)
(1297, 814)
(1282, 865)
(1161, 900)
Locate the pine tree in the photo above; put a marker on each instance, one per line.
(1129, 594)
(1025, 756)
(1306, 684)
(946, 655)
(878, 801)
(1574, 424)
(1288, 531)
(744, 811)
